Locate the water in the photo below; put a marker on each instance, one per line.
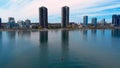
(60, 49)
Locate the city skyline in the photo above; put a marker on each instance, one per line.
(29, 9)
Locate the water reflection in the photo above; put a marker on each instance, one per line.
(115, 38)
(65, 45)
(103, 32)
(11, 40)
(0, 41)
(43, 37)
(11, 35)
(64, 52)
(116, 33)
(84, 32)
(44, 49)
(94, 31)
(24, 34)
(1, 46)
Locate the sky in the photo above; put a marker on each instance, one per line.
(28, 9)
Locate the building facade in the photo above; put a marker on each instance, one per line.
(118, 20)
(0, 22)
(24, 24)
(94, 21)
(20, 24)
(85, 20)
(27, 23)
(11, 22)
(65, 16)
(103, 22)
(114, 20)
(43, 17)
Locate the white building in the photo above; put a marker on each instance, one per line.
(21, 24)
(27, 23)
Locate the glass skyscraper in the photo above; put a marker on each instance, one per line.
(85, 20)
(27, 23)
(0, 22)
(118, 20)
(114, 20)
(11, 22)
(103, 22)
(94, 21)
(43, 17)
(65, 16)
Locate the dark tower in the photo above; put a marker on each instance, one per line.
(114, 20)
(43, 17)
(85, 20)
(11, 22)
(0, 22)
(94, 21)
(118, 20)
(65, 16)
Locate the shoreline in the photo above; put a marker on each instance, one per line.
(59, 29)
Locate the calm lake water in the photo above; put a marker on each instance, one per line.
(60, 49)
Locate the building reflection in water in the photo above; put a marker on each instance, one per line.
(43, 37)
(43, 49)
(65, 44)
(94, 31)
(116, 33)
(0, 41)
(103, 32)
(24, 34)
(11, 35)
(11, 44)
(84, 34)
(115, 38)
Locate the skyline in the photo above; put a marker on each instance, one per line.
(29, 9)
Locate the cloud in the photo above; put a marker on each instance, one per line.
(23, 9)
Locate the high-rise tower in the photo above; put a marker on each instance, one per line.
(11, 22)
(65, 16)
(0, 22)
(43, 17)
(114, 20)
(94, 21)
(85, 20)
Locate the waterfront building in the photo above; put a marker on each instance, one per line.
(103, 22)
(27, 23)
(118, 20)
(20, 24)
(0, 22)
(65, 16)
(43, 17)
(11, 22)
(85, 20)
(94, 21)
(114, 20)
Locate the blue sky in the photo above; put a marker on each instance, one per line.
(28, 9)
